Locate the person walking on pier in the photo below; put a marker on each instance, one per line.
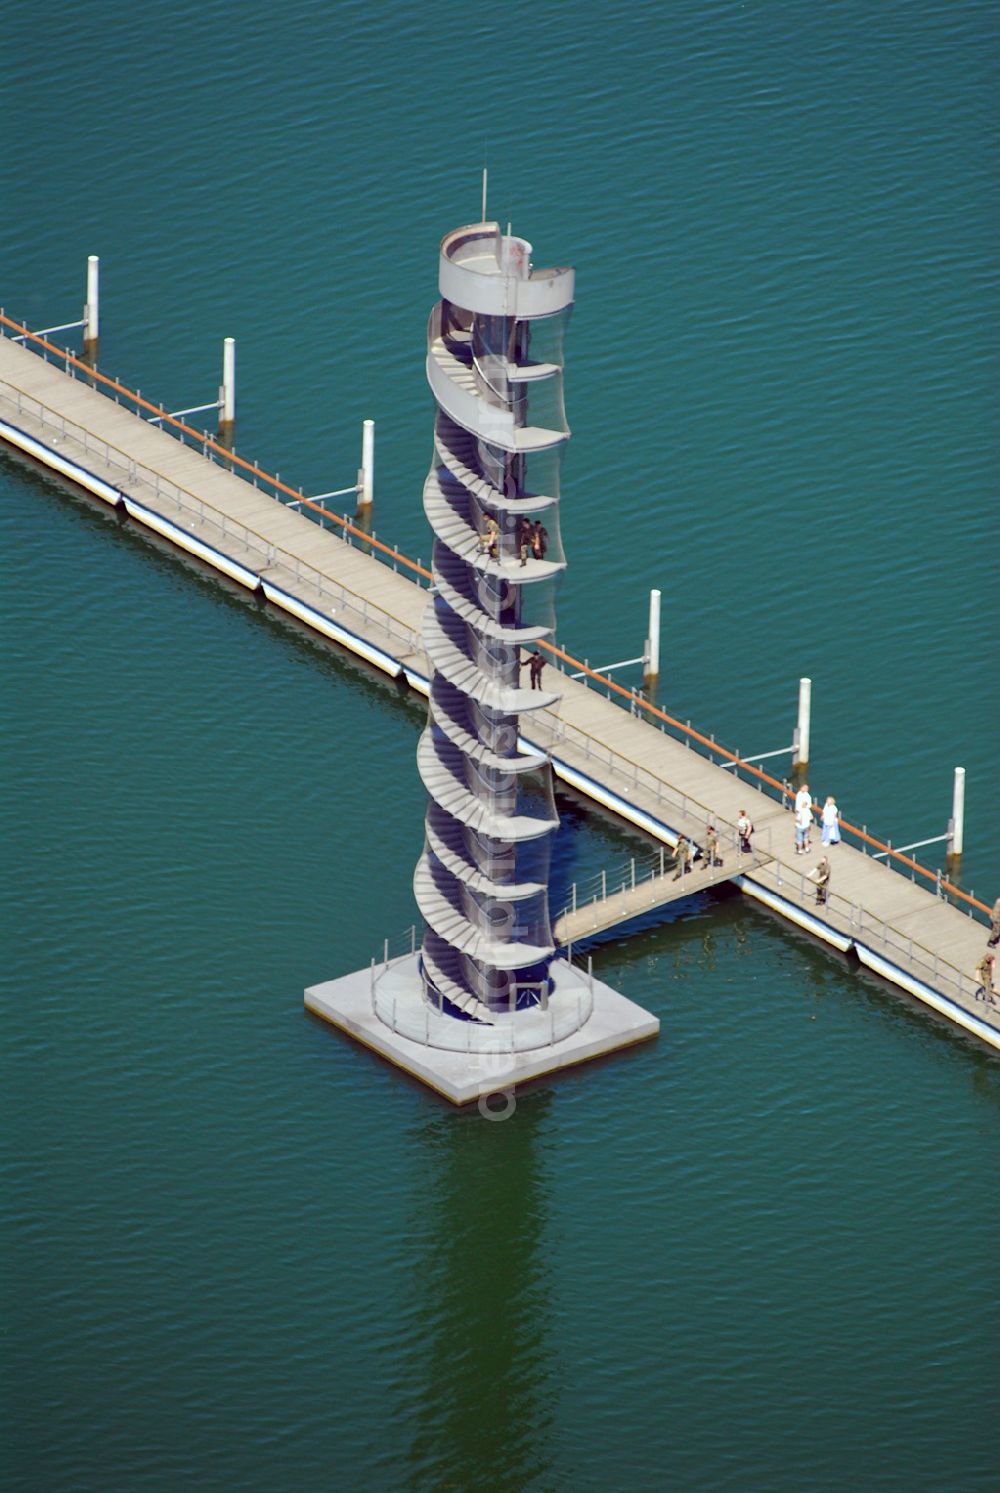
(821, 875)
(831, 821)
(682, 857)
(984, 974)
(536, 664)
(994, 937)
(803, 825)
(712, 857)
(744, 829)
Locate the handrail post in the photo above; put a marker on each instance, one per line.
(91, 309)
(956, 827)
(227, 389)
(366, 474)
(801, 740)
(653, 641)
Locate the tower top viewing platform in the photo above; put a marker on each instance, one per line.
(490, 273)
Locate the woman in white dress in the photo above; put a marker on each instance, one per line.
(831, 822)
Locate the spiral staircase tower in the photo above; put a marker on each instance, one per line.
(494, 364)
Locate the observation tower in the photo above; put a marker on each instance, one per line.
(486, 1000)
(494, 364)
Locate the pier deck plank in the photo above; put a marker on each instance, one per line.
(590, 735)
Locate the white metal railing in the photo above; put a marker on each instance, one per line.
(531, 1029)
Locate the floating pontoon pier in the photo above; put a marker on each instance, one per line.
(899, 918)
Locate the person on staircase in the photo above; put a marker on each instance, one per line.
(539, 540)
(524, 533)
(489, 539)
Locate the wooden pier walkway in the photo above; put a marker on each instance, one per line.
(639, 895)
(924, 935)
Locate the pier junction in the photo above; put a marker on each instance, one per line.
(616, 748)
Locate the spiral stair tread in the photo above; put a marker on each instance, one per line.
(462, 803)
(470, 875)
(455, 459)
(479, 752)
(462, 934)
(456, 993)
(465, 675)
(464, 378)
(481, 620)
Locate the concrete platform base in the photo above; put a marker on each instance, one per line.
(496, 1064)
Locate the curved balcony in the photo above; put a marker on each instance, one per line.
(490, 273)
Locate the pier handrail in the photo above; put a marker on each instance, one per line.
(206, 442)
(592, 677)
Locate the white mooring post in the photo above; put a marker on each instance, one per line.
(956, 829)
(91, 309)
(366, 476)
(653, 640)
(227, 390)
(801, 742)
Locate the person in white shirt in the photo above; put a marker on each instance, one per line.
(803, 819)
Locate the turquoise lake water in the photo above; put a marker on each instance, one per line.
(240, 1253)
